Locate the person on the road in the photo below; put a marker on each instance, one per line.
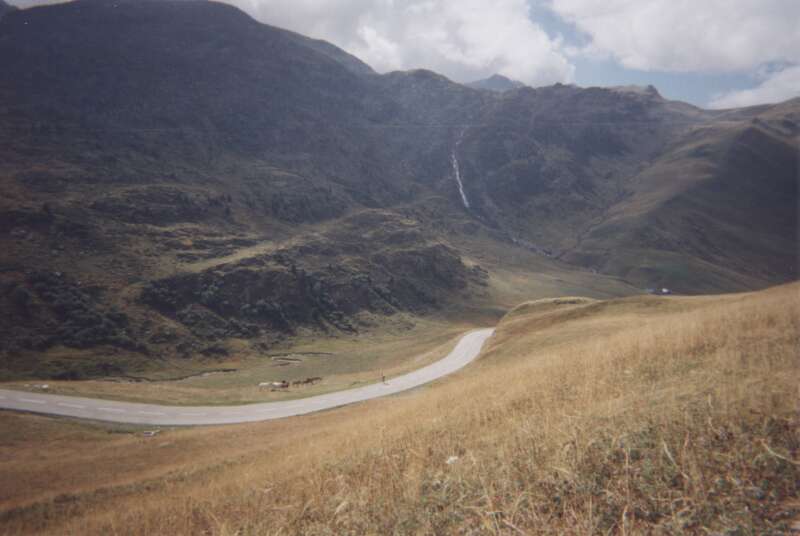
(383, 378)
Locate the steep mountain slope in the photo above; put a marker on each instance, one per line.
(180, 180)
(142, 71)
(547, 160)
(143, 139)
(625, 182)
(352, 63)
(718, 207)
(5, 8)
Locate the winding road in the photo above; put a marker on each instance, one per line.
(467, 349)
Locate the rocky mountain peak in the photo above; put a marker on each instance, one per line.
(497, 83)
(648, 90)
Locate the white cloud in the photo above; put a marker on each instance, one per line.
(688, 35)
(464, 39)
(779, 86)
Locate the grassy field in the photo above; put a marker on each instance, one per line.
(625, 416)
(342, 363)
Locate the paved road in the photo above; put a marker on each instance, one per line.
(465, 351)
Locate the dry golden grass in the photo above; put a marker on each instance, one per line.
(631, 416)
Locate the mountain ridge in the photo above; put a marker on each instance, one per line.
(242, 185)
(496, 82)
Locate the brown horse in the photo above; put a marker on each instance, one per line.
(307, 381)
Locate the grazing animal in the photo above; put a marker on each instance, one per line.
(283, 384)
(307, 381)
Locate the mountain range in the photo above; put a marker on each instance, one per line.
(181, 180)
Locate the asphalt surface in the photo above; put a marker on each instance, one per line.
(465, 351)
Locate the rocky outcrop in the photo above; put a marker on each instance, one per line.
(49, 308)
(322, 284)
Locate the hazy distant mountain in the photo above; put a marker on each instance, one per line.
(177, 176)
(496, 82)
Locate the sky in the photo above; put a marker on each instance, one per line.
(712, 53)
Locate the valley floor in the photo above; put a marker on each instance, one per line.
(342, 362)
(465, 351)
(633, 415)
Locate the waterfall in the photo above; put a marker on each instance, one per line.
(457, 172)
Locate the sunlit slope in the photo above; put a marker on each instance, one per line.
(638, 414)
